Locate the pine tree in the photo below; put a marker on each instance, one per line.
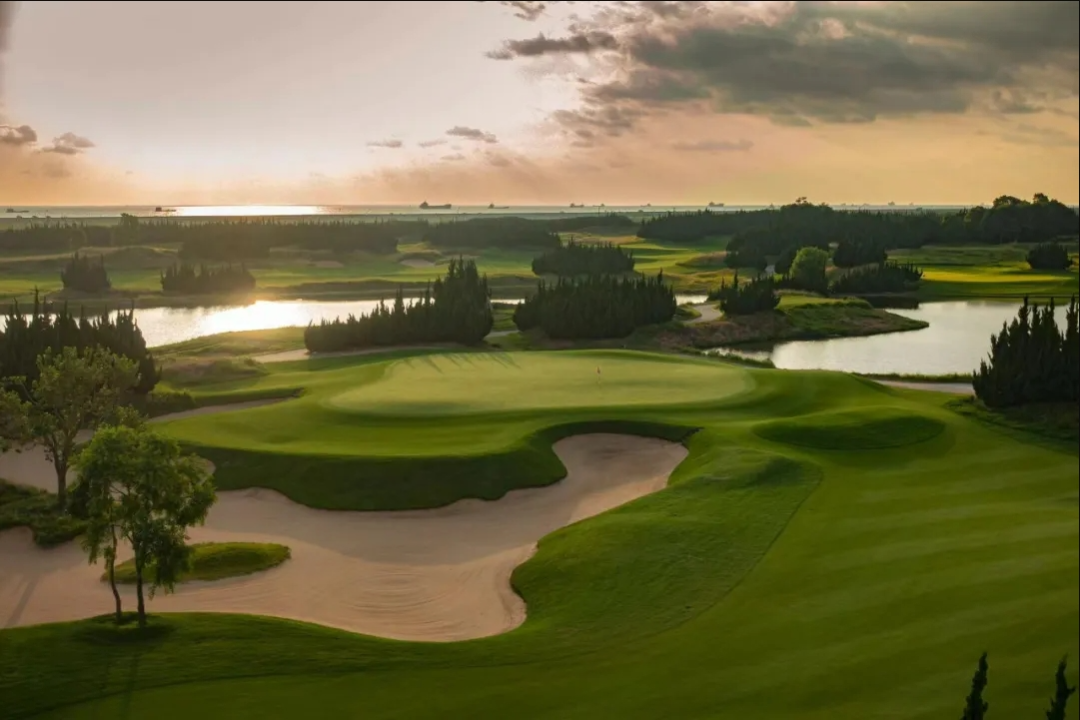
(1062, 693)
(976, 707)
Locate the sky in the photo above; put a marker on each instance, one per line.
(535, 103)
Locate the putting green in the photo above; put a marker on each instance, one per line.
(459, 384)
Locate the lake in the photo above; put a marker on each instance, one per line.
(164, 326)
(956, 340)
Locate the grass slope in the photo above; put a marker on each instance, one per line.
(769, 581)
(217, 561)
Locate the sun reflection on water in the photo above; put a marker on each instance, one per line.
(244, 210)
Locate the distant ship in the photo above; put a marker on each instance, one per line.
(13, 211)
(493, 206)
(576, 205)
(716, 204)
(424, 206)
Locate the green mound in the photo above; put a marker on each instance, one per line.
(869, 429)
(217, 561)
(458, 384)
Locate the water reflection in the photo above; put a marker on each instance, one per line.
(956, 340)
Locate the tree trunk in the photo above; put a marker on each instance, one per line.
(139, 590)
(61, 485)
(111, 560)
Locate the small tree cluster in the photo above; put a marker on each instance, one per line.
(138, 486)
(27, 336)
(751, 257)
(85, 274)
(808, 270)
(203, 280)
(852, 253)
(596, 307)
(886, 277)
(758, 295)
(73, 391)
(1032, 360)
(576, 258)
(456, 308)
(1049, 256)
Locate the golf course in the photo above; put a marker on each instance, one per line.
(588, 533)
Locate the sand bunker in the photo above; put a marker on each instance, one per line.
(432, 575)
(708, 313)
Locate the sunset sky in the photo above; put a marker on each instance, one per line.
(177, 103)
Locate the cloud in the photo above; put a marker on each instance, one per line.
(468, 133)
(431, 143)
(454, 157)
(713, 146)
(579, 43)
(394, 144)
(802, 63)
(68, 144)
(529, 9)
(17, 136)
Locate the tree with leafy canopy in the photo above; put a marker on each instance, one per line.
(976, 707)
(808, 269)
(138, 486)
(1061, 695)
(73, 392)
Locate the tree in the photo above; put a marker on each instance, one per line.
(1061, 694)
(976, 707)
(808, 269)
(138, 486)
(73, 392)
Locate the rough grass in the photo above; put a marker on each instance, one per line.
(1046, 422)
(799, 317)
(22, 506)
(234, 344)
(217, 561)
(768, 582)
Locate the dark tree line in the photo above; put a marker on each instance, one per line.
(1049, 256)
(1032, 360)
(884, 277)
(203, 280)
(85, 274)
(596, 307)
(26, 336)
(851, 253)
(514, 232)
(773, 230)
(216, 240)
(456, 308)
(758, 295)
(576, 258)
(976, 706)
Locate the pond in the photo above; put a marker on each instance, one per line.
(956, 340)
(164, 326)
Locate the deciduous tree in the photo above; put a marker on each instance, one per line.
(140, 487)
(73, 392)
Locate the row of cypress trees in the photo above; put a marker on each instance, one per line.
(456, 308)
(758, 295)
(883, 277)
(85, 274)
(596, 307)
(204, 280)
(1032, 360)
(576, 258)
(976, 707)
(28, 335)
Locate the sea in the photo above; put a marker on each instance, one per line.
(439, 211)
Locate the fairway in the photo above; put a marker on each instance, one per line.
(454, 384)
